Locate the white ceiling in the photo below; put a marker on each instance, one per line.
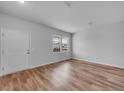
(71, 19)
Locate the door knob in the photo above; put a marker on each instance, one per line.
(28, 51)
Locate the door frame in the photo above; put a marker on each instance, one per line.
(2, 46)
(2, 52)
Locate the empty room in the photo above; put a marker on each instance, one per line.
(61, 45)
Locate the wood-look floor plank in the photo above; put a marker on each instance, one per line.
(67, 75)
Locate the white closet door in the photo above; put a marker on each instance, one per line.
(16, 48)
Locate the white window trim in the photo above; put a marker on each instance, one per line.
(61, 36)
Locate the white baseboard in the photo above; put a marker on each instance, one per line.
(92, 61)
(1, 74)
(47, 63)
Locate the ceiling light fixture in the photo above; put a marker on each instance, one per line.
(21, 1)
(68, 3)
(90, 23)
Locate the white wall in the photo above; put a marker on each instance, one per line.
(103, 44)
(41, 40)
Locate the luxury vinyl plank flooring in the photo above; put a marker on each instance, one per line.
(66, 75)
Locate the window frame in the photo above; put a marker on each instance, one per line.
(68, 45)
(53, 44)
(61, 37)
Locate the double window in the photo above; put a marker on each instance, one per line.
(60, 43)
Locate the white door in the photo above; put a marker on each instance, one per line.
(15, 51)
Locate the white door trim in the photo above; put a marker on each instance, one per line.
(2, 47)
(2, 52)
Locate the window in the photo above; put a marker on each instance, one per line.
(60, 43)
(65, 42)
(56, 43)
